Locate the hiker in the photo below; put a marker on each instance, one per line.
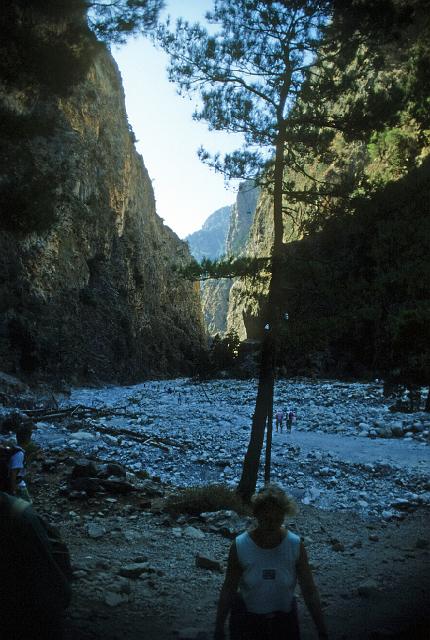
(290, 419)
(263, 565)
(17, 485)
(34, 589)
(279, 417)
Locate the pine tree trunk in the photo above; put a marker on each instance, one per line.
(251, 463)
(427, 407)
(268, 462)
(264, 403)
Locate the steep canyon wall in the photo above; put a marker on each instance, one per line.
(92, 292)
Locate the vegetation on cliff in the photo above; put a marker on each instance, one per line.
(357, 286)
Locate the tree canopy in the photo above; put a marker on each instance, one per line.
(247, 68)
(248, 72)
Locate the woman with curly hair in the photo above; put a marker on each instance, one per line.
(264, 565)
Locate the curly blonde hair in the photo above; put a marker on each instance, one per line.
(273, 494)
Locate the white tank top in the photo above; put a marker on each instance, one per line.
(269, 575)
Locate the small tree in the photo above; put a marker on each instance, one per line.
(248, 75)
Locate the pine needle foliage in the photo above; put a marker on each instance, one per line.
(231, 267)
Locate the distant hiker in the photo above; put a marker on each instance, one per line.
(17, 484)
(263, 567)
(34, 577)
(291, 418)
(279, 417)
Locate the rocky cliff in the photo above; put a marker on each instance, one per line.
(87, 275)
(210, 240)
(215, 293)
(247, 296)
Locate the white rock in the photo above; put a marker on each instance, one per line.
(113, 599)
(95, 530)
(82, 436)
(192, 532)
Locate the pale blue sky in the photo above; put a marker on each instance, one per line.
(186, 190)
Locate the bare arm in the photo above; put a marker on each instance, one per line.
(310, 592)
(228, 591)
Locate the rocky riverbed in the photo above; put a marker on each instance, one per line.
(363, 499)
(347, 451)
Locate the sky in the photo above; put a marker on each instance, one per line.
(186, 190)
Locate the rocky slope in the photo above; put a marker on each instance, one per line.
(92, 290)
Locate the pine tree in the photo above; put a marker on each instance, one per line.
(248, 75)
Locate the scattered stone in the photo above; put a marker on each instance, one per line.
(368, 588)
(84, 469)
(207, 563)
(226, 522)
(134, 570)
(83, 436)
(337, 545)
(192, 532)
(95, 530)
(116, 486)
(113, 599)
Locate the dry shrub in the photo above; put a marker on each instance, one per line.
(196, 500)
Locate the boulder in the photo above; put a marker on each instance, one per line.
(111, 469)
(227, 523)
(116, 486)
(368, 588)
(95, 530)
(84, 469)
(192, 532)
(82, 436)
(134, 570)
(207, 563)
(113, 599)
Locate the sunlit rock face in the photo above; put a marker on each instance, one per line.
(215, 293)
(96, 292)
(247, 295)
(210, 240)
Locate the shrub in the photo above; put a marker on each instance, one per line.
(197, 500)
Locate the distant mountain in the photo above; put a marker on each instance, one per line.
(210, 240)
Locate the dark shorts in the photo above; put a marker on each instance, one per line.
(252, 626)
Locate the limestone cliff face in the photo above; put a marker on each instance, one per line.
(95, 293)
(241, 218)
(247, 297)
(210, 240)
(215, 293)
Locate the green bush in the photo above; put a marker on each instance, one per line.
(212, 497)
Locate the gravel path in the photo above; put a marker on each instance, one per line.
(408, 455)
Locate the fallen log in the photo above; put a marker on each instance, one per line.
(81, 412)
